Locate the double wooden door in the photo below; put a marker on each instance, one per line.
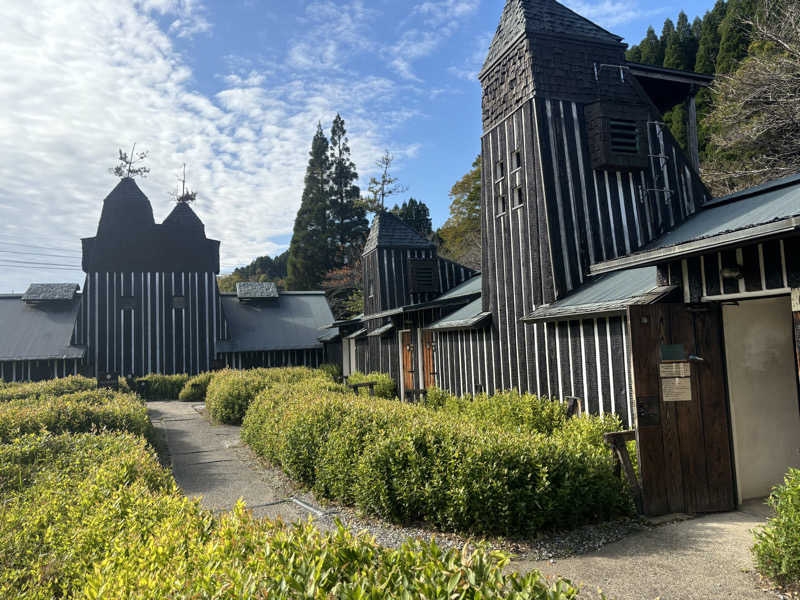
(428, 376)
(683, 431)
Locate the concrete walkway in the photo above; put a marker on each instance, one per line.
(211, 462)
(706, 558)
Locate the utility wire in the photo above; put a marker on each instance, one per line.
(20, 252)
(71, 251)
(29, 262)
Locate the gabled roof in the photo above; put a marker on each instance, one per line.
(605, 294)
(256, 290)
(37, 331)
(759, 213)
(292, 322)
(389, 231)
(125, 208)
(50, 292)
(184, 218)
(541, 16)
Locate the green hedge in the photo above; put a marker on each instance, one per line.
(409, 463)
(195, 389)
(95, 516)
(161, 387)
(777, 548)
(77, 412)
(231, 392)
(384, 388)
(50, 387)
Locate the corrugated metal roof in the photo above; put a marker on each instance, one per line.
(256, 290)
(37, 331)
(389, 231)
(469, 287)
(757, 207)
(613, 292)
(464, 318)
(50, 292)
(381, 330)
(292, 322)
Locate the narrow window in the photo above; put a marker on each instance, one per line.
(127, 303)
(516, 160)
(371, 288)
(178, 302)
(501, 205)
(499, 170)
(518, 196)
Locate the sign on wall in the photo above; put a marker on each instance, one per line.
(676, 381)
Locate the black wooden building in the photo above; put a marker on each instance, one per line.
(609, 272)
(150, 304)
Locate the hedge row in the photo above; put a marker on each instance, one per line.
(195, 389)
(51, 387)
(77, 412)
(160, 387)
(777, 548)
(408, 463)
(230, 392)
(384, 384)
(95, 516)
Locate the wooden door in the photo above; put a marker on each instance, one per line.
(408, 360)
(683, 439)
(428, 363)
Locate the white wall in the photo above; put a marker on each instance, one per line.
(762, 379)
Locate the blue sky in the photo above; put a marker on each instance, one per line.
(235, 89)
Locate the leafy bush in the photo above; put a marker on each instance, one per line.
(160, 387)
(384, 384)
(777, 548)
(231, 392)
(409, 463)
(95, 516)
(50, 387)
(332, 370)
(77, 412)
(195, 389)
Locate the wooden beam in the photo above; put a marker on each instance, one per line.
(796, 327)
(694, 149)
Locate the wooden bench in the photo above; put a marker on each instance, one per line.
(108, 381)
(356, 387)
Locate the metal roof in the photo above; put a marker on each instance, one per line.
(37, 331)
(469, 287)
(390, 231)
(758, 213)
(256, 290)
(613, 292)
(292, 322)
(381, 330)
(541, 16)
(465, 317)
(50, 292)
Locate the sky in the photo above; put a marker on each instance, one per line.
(234, 89)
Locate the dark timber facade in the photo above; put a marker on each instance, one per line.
(609, 273)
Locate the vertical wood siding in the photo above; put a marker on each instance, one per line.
(312, 357)
(38, 370)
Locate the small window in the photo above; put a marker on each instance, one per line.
(371, 288)
(127, 303)
(423, 276)
(624, 136)
(178, 302)
(502, 205)
(516, 160)
(499, 170)
(518, 196)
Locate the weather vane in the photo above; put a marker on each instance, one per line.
(126, 167)
(185, 195)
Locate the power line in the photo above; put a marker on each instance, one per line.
(35, 268)
(71, 251)
(21, 252)
(46, 264)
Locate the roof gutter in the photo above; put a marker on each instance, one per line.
(734, 238)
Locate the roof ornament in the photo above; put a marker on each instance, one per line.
(126, 167)
(186, 195)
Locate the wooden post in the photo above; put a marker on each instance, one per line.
(692, 140)
(617, 440)
(796, 327)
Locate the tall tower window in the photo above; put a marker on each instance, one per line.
(499, 170)
(516, 160)
(519, 197)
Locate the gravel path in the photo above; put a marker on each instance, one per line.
(704, 558)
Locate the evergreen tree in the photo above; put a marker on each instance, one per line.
(309, 259)
(708, 46)
(652, 52)
(416, 215)
(461, 233)
(735, 35)
(667, 31)
(347, 217)
(634, 54)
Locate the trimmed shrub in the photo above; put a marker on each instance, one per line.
(408, 463)
(332, 370)
(384, 384)
(95, 516)
(231, 392)
(777, 548)
(195, 389)
(78, 412)
(50, 387)
(161, 387)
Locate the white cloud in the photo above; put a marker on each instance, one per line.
(609, 13)
(81, 79)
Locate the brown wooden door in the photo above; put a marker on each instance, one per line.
(408, 360)
(685, 457)
(427, 359)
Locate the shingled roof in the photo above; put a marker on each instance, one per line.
(50, 292)
(37, 331)
(542, 16)
(389, 231)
